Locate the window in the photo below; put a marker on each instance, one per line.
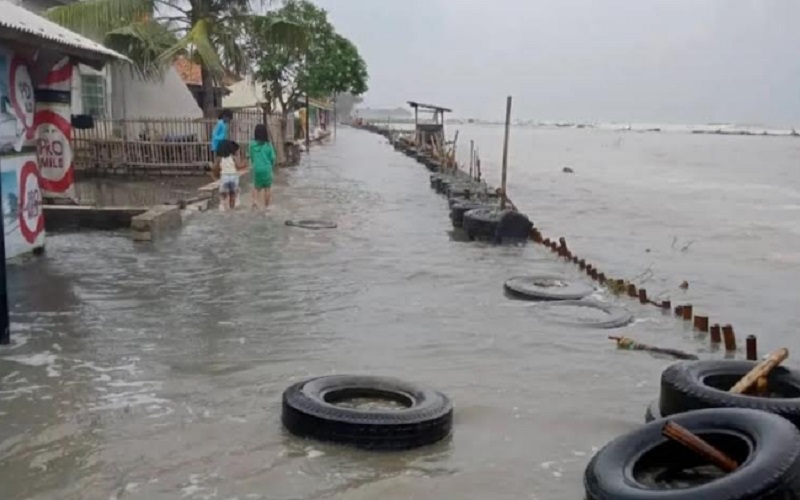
(93, 94)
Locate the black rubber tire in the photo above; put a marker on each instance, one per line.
(539, 287)
(513, 227)
(481, 223)
(653, 412)
(306, 413)
(461, 190)
(458, 210)
(770, 472)
(312, 224)
(684, 388)
(444, 185)
(617, 316)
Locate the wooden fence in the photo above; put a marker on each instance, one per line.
(161, 146)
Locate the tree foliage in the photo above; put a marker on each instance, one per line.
(327, 63)
(153, 32)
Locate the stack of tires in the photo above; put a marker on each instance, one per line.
(760, 433)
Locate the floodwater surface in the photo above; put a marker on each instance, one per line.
(156, 371)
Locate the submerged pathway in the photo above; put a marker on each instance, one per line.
(156, 372)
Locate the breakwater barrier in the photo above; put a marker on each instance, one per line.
(478, 209)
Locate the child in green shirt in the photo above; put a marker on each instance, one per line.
(262, 157)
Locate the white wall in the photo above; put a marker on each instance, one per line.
(130, 97)
(134, 97)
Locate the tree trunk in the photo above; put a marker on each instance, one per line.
(208, 93)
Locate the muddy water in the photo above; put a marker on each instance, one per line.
(155, 372)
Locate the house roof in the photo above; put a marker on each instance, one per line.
(19, 24)
(430, 107)
(191, 72)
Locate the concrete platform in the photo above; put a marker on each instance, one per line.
(155, 222)
(71, 217)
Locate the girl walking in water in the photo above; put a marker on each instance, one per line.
(262, 158)
(229, 174)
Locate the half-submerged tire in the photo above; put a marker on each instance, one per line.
(546, 287)
(309, 410)
(616, 317)
(458, 210)
(513, 226)
(653, 412)
(643, 465)
(481, 223)
(312, 224)
(695, 385)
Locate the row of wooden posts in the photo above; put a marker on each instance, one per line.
(717, 333)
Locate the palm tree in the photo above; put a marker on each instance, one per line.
(153, 32)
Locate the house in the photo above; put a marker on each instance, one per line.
(37, 62)
(191, 74)
(116, 93)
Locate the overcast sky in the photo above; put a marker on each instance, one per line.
(682, 61)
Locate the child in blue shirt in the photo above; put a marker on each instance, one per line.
(221, 130)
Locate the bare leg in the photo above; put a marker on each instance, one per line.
(223, 201)
(232, 198)
(254, 194)
(267, 196)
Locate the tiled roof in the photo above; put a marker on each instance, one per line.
(19, 19)
(191, 74)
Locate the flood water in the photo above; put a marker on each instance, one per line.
(156, 372)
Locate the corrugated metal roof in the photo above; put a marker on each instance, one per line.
(17, 18)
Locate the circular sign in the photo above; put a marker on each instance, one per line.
(53, 133)
(31, 217)
(22, 99)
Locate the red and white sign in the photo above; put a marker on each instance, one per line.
(53, 149)
(31, 216)
(22, 96)
(59, 78)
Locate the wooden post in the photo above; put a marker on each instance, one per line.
(760, 370)
(701, 323)
(729, 337)
(471, 157)
(687, 312)
(666, 304)
(683, 436)
(752, 349)
(643, 296)
(716, 337)
(416, 126)
(632, 290)
(505, 154)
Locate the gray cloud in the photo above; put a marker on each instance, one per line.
(613, 60)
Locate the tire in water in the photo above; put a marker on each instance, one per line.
(696, 385)
(643, 465)
(309, 410)
(546, 287)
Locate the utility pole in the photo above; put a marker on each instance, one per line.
(308, 132)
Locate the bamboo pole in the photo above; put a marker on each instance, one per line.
(471, 157)
(505, 155)
(683, 436)
(760, 370)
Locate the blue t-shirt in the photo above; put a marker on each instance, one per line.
(219, 135)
